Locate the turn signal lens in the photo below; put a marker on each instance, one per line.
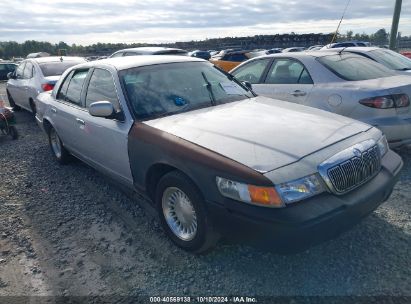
(264, 195)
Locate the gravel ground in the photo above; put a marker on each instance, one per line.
(66, 230)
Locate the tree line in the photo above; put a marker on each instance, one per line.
(10, 49)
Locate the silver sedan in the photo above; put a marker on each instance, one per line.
(342, 83)
(34, 76)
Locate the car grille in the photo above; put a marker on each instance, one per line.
(355, 171)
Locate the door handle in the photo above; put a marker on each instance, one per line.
(54, 110)
(298, 93)
(80, 121)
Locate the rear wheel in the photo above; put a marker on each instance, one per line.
(183, 214)
(12, 103)
(33, 107)
(60, 153)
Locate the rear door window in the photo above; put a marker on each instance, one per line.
(101, 88)
(288, 71)
(71, 88)
(252, 71)
(28, 71)
(20, 70)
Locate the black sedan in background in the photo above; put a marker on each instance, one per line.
(5, 68)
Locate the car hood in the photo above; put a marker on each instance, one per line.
(261, 133)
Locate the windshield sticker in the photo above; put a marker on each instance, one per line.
(179, 101)
(231, 88)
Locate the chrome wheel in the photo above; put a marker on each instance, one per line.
(179, 213)
(55, 143)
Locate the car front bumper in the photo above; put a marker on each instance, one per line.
(309, 222)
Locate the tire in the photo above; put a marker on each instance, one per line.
(33, 108)
(13, 132)
(60, 153)
(175, 186)
(12, 103)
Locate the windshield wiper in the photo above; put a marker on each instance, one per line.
(209, 89)
(404, 69)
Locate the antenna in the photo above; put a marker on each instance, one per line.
(342, 17)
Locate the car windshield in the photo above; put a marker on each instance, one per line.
(391, 59)
(57, 68)
(354, 67)
(161, 90)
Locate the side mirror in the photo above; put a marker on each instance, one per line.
(11, 75)
(248, 85)
(102, 109)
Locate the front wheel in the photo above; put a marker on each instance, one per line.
(183, 214)
(60, 153)
(13, 132)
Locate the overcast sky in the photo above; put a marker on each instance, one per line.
(154, 21)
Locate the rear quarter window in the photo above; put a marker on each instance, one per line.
(352, 67)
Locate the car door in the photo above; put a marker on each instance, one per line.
(14, 85)
(67, 108)
(287, 79)
(25, 85)
(104, 142)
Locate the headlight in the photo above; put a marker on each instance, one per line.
(383, 145)
(300, 189)
(263, 196)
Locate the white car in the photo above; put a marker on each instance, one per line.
(34, 76)
(338, 82)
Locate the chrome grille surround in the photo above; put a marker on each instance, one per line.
(351, 167)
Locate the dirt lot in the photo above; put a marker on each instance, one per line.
(65, 230)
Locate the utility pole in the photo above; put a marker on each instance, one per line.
(394, 26)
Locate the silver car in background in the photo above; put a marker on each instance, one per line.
(34, 76)
(386, 57)
(338, 82)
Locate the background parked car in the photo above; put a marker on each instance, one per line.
(346, 44)
(6, 68)
(406, 54)
(274, 51)
(227, 60)
(347, 84)
(149, 51)
(315, 47)
(213, 157)
(201, 54)
(34, 76)
(293, 49)
(386, 57)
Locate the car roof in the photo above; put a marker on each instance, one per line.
(319, 53)
(123, 63)
(56, 59)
